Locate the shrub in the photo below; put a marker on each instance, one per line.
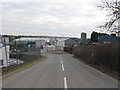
(105, 55)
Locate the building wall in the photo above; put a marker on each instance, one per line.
(52, 41)
(48, 48)
(4, 53)
(107, 39)
(72, 42)
(83, 37)
(60, 45)
(3, 57)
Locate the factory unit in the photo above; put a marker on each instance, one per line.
(60, 44)
(4, 52)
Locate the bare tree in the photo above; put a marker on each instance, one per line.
(113, 6)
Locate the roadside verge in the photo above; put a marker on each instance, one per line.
(97, 70)
(22, 67)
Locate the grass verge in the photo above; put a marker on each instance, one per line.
(102, 69)
(11, 69)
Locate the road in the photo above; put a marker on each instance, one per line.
(60, 71)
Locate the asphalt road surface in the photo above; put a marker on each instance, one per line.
(59, 71)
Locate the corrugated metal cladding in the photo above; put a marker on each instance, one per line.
(110, 39)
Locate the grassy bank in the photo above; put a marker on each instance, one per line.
(13, 68)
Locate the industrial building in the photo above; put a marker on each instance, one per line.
(4, 52)
(83, 37)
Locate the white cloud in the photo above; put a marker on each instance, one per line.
(51, 16)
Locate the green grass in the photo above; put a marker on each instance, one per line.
(23, 65)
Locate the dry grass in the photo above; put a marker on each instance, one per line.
(103, 57)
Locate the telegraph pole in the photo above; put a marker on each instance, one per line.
(6, 53)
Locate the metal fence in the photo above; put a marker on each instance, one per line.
(25, 50)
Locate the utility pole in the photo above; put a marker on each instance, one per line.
(40, 48)
(16, 51)
(56, 43)
(6, 53)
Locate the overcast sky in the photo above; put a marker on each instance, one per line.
(51, 17)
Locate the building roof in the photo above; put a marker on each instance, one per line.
(72, 41)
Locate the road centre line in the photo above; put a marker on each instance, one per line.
(65, 83)
(63, 68)
(61, 62)
(60, 58)
(65, 80)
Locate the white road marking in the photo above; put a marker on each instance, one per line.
(65, 83)
(63, 68)
(61, 62)
(60, 58)
(65, 80)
